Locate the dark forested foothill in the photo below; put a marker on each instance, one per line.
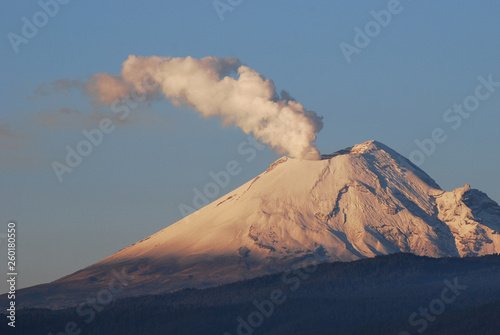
(394, 294)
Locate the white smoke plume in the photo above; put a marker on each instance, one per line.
(220, 87)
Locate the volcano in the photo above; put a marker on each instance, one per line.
(359, 202)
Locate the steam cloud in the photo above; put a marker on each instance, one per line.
(220, 87)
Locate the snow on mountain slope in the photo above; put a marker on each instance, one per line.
(359, 202)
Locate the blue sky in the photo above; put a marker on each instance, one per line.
(396, 90)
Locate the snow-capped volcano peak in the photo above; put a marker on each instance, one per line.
(357, 149)
(367, 146)
(358, 202)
